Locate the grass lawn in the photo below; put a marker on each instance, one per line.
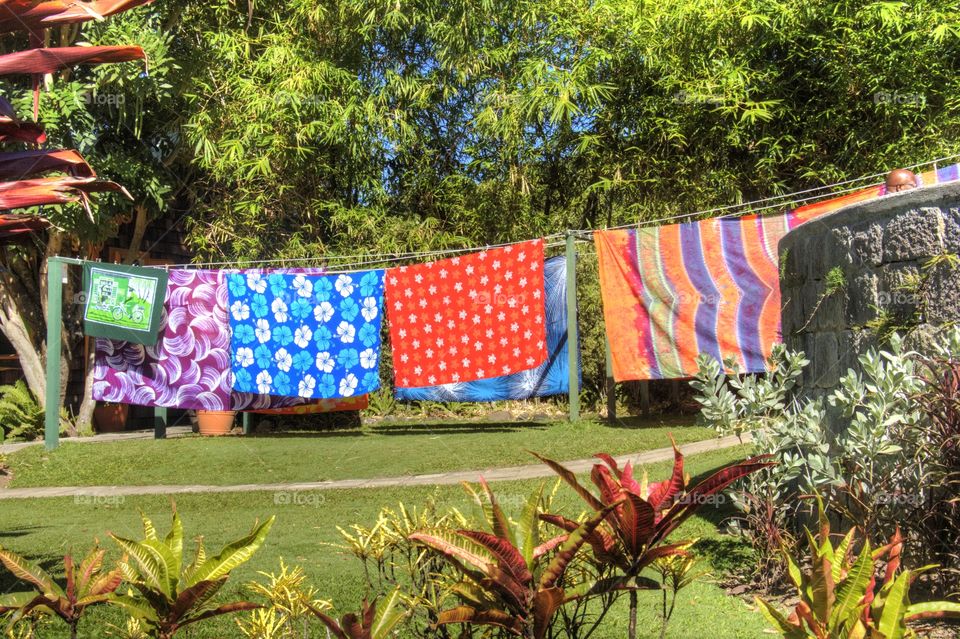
(44, 529)
(371, 451)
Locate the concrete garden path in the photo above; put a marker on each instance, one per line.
(532, 471)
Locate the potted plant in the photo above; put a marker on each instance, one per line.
(110, 418)
(214, 423)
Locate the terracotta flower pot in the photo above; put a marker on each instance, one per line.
(110, 418)
(214, 423)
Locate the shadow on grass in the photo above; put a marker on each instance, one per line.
(726, 554)
(639, 422)
(22, 532)
(401, 428)
(305, 434)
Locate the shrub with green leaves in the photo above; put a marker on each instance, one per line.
(842, 594)
(21, 416)
(168, 595)
(86, 585)
(873, 471)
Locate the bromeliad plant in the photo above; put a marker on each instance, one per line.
(86, 585)
(169, 595)
(843, 595)
(511, 578)
(640, 516)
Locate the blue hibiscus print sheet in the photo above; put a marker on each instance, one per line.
(309, 336)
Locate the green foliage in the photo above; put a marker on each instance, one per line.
(841, 595)
(915, 287)
(735, 404)
(87, 584)
(170, 595)
(21, 417)
(292, 603)
(391, 560)
(836, 281)
(372, 127)
(864, 461)
(875, 470)
(511, 578)
(375, 621)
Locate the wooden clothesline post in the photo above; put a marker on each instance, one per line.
(51, 426)
(573, 337)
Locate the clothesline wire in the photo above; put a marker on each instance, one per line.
(749, 207)
(580, 235)
(374, 258)
(346, 268)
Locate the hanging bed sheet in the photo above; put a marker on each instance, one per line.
(468, 318)
(672, 293)
(550, 378)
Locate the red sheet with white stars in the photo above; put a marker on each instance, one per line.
(468, 318)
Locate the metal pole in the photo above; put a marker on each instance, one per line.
(54, 325)
(160, 421)
(247, 423)
(573, 337)
(611, 385)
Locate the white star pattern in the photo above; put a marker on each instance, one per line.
(487, 303)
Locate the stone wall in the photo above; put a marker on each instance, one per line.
(883, 249)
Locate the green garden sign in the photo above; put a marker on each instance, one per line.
(123, 302)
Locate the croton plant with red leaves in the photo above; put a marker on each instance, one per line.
(634, 531)
(514, 581)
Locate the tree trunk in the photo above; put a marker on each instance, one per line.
(15, 329)
(139, 230)
(85, 414)
(632, 629)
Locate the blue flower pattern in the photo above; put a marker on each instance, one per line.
(302, 335)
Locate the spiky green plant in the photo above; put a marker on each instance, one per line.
(168, 595)
(291, 605)
(842, 596)
(86, 585)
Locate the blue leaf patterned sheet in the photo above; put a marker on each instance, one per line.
(309, 336)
